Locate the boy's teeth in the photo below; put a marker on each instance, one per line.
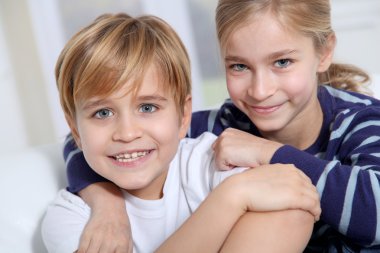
(130, 156)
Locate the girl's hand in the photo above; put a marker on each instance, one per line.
(235, 148)
(108, 229)
(275, 187)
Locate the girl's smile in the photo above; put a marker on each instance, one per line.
(271, 76)
(265, 110)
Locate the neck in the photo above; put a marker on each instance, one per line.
(303, 131)
(153, 191)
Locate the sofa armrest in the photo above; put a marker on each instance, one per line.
(29, 181)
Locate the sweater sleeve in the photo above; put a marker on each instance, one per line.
(79, 173)
(350, 192)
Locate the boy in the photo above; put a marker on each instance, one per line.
(124, 86)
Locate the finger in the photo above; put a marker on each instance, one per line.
(127, 249)
(311, 201)
(94, 246)
(223, 164)
(83, 243)
(214, 144)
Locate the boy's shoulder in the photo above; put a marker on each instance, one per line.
(218, 119)
(201, 143)
(195, 157)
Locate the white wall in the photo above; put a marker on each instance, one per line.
(29, 49)
(27, 119)
(12, 129)
(357, 24)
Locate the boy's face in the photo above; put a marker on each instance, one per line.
(131, 139)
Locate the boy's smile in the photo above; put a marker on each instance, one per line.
(130, 157)
(130, 138)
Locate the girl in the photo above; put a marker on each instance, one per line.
(291, 105)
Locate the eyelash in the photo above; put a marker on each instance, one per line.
(152, 106)
(237, 67)
(98, 116)
(287, 61)
(109, 113)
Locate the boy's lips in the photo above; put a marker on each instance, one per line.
(131, 156)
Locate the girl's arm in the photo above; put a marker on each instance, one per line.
(347, 176)
(108, 225)
(104, 198)
(280, 199)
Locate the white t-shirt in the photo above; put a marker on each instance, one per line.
(191, 177)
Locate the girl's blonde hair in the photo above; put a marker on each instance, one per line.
(115, 49)
(309, 17)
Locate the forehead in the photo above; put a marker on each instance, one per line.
(148, 83)
(264, 35)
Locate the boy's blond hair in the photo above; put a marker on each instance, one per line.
(115, 49)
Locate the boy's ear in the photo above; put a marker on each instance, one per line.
(186, 117)
(327, 54)
(74, 132)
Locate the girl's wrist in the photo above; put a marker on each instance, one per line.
(268, 151)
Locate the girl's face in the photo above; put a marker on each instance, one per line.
(272, 76)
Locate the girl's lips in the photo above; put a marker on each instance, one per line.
(264, 109)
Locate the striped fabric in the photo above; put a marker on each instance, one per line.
(344, 164)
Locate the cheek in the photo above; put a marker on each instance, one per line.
(235, 86)
(90, 137)
(301, 85)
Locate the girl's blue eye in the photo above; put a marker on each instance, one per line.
(148, 108)
(103, 113)
(283, 63)
(239, 67)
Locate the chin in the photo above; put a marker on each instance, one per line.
(131, 186)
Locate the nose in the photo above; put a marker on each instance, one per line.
(262, 86)
(127, 129)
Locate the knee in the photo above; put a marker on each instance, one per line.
(295, 224)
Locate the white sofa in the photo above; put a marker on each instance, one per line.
(29, 181)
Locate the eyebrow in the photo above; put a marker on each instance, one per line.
(99, 102)
(283, 53)
(152, 98)
(93, 103)
(272, 56)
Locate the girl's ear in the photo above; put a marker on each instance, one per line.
(186, 117)
(327, 54)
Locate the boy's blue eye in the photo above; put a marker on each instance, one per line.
(283, 63)
(148, 108)
(239, 67)
(103, 113)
